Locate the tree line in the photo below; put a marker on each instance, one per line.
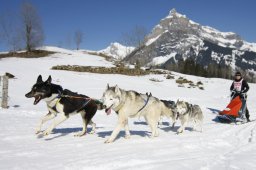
(189, 66)
(212, 70)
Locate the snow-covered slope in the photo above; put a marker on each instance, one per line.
(56, 49)
(117, 50)
(179, 36)
(220, 146)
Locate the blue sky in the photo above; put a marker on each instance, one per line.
(104, 21)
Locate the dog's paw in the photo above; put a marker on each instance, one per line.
(79, 134)
(108, 141)
(151, 137)
(127, 136)
(180, 130)
(156, 135)
(38, 131)
(92, 132)
(47, 132)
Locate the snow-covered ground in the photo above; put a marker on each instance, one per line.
(219, 147)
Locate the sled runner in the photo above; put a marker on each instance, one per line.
(230, 113)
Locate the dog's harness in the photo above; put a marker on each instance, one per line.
(54, 108)
(146, 102)
(190, 108)
(88, 99)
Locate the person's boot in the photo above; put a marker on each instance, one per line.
(247, 115)
(241, 119)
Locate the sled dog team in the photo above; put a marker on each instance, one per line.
(126, 104)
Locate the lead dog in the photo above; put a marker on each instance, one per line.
(187, 112)
(73, 103)
(132, 104)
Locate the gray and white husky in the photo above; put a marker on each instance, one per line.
(188, 112)
(130, 104)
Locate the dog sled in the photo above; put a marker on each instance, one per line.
(231, 112)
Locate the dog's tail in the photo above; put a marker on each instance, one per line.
(99, 105)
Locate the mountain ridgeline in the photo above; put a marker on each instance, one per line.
(180, 44)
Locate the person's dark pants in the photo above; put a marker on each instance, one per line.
(243, 107)
(247, 115)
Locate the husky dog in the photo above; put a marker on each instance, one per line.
(172, 106)
(187, 112)
(132, 104)
(72, 103)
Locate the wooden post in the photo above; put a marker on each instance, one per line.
(4, 89)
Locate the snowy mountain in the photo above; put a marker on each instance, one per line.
(117, 50)
(177, 37)
(219, 146)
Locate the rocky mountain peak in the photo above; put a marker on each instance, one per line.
(117, 50)
(174, 14)
(177, 37)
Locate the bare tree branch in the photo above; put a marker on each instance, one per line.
(78, 37)
(9, 31)
(32, 27)
(135, 37)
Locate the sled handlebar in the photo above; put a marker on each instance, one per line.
(238, 93)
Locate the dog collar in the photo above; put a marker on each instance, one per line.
(118, 108)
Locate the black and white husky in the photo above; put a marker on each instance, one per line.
(63, 102)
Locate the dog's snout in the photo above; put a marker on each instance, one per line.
(28, 95)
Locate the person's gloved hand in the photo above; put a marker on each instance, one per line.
(242, 95)
(234, 92)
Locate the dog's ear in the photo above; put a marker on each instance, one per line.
(116, 89)
(39, 79)
(187, 104)
(107, 86)
(49, 80)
